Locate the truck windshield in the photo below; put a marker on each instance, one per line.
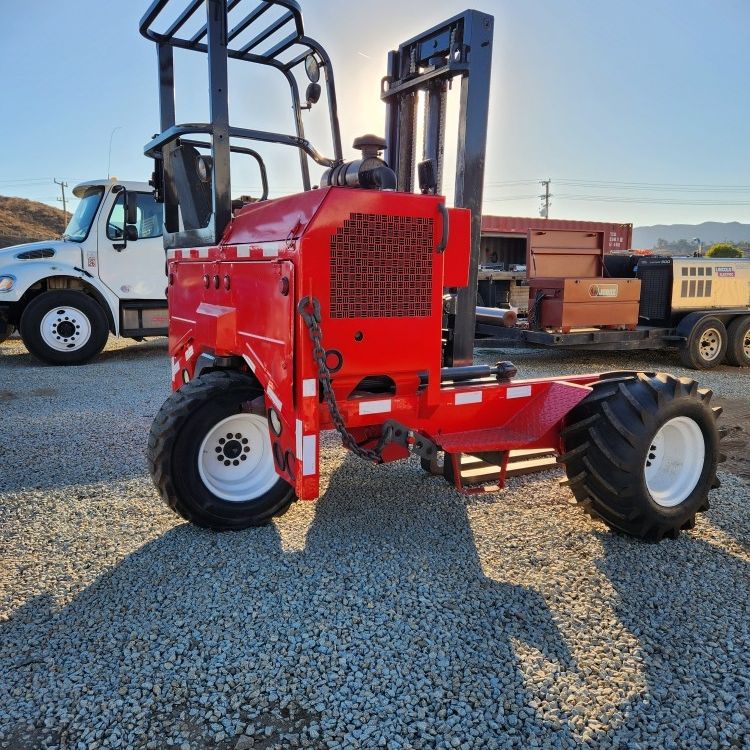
(80, 223)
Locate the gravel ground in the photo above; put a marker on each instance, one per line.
(389, 614)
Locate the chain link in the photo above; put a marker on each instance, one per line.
(309, 309)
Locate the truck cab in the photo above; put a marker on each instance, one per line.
(106, 274)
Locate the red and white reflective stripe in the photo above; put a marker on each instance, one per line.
(182, 362)
(275, 400)
(307, 443)
(518, 391)
(381, 406)
(306, 448)
(309, 387)
(468, 397)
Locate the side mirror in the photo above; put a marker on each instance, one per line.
(131, 208)
(131, 232)
(312, 94)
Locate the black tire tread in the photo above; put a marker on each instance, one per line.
(167, 424)
(601, 445)
(36, 309)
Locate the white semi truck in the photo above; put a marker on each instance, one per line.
(105, 275)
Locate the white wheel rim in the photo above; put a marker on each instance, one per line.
(710, 344)
(674, 462)
(65, 329)
(235, 460)
(746, 342)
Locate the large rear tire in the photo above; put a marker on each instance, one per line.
(64, 327)
(641, 453)
(738, 347)
(212, 461)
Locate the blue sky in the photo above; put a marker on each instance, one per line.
(638, 111)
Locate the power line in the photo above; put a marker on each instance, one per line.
(656, 200)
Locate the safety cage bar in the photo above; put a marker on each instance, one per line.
(289, 48)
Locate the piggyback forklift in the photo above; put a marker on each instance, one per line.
(350, 306)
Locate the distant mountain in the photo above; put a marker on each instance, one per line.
(708, 232)
(22, 221)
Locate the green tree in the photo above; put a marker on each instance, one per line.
(724, 250)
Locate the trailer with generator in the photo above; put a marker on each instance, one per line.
(583, 298)
(350, 306)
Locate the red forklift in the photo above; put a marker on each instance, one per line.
(350, 305)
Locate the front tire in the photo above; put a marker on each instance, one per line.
(641, 453)
(211, 461)
(64, 327)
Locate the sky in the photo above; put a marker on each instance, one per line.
(636, 111)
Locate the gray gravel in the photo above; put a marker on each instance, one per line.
(390, 614)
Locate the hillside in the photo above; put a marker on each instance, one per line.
(708, 232)
(23, 220)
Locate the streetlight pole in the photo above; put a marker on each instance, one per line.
(109, 155)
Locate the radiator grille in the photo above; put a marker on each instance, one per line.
(656, 287)
(381, 267)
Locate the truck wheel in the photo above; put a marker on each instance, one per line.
(706, 345)
(211, 461)
(641, 453)
(64, 328)
(738, 347)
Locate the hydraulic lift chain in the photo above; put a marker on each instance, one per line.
(309, 309)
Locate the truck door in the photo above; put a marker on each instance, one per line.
(132, 269)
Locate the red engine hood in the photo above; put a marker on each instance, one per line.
(274, 220)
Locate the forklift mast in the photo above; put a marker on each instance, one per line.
(427, 64)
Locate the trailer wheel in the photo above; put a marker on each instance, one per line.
(706, 345)
(738, 346)
(64, 327)
(641, 453)
(211, 461)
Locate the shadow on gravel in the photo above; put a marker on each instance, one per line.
(377, 623)
(693, 631)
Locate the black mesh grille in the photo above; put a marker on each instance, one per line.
(381, 266)
(656, 287)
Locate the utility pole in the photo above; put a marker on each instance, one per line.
(545, 196)
(63, 185)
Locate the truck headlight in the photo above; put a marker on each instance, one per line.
(6, 283)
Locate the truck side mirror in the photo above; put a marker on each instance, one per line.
(131, 232)
(131, 208)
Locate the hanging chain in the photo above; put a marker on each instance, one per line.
(309, 309)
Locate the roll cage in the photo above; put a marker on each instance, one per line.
(279, 43)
